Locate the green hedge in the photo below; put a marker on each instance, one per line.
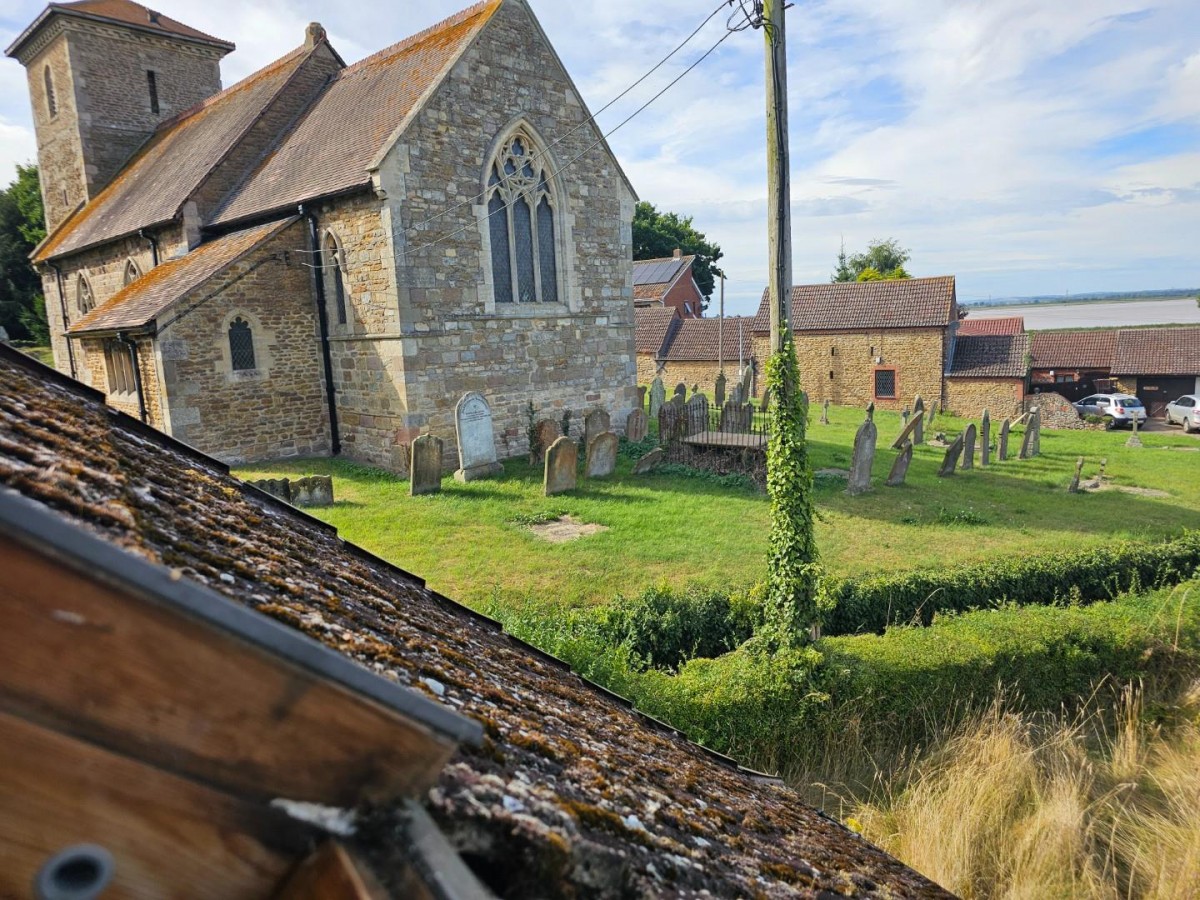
(871, 603)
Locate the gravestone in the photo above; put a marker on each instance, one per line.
(909, 431)
(476, 441)
(719, 390)
(825, 412)
(670, 423)
(738, 395)
(279, 488)
(985, 439)
(315, 490)
(950, 461)
(746, 382)
(1036, 419)
(602, 455)
(658, 396)
(636, 426)
(1134, 440)
(736, 417)
(641, 396)
(918, 435)
(681, 390)
(545, 433)
(695, 389)
(696, 412)
(968, 455)
(594, 423)
(648, 462)
(859, 480)
(676, 401)
(1029, 442)
(1074, 486)
(904, 415)
(425, 466)
(562, 466)
(766, 400)
(933, 411)
(900, 466)
(1002, 451)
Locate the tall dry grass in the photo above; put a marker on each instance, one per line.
(1103, 804)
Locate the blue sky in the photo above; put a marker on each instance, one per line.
(1025, 146)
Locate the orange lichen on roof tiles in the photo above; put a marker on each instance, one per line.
(129, 13)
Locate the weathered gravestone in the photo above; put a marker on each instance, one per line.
(476, 441)
(933, 411)
(918, 435)
(1029, 441)
(900, 466)
(279, 488)
(641, 396)
(738, 395)
(909, 431)
(766, 400)
(658, 396)
(968, 455)
(562, 466)
(648, 462)
(670, 423)
(1074, 486)
(825, 412)
(1037, 431)
(636, 426)
(545, 433)
(859, 480)
(425, 467)
(719, 390)
(681, 390)
(1134, 440)
(315, 490)
(904, 415)
(985, 439)
(950, 461)
(1002, 449)
(602, 455)
(594, 423)
(746, 382)
(696, 414)
(736, 417)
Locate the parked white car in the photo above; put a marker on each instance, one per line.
(1119, 409)
(1186, 412)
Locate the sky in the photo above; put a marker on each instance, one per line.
(1024, 146)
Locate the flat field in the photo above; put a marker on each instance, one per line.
(473, 542)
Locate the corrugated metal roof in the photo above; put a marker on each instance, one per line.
(863, 305)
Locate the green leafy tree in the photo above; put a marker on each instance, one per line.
(22, 227)
(882, 261)
(793, 574)
(657, 234)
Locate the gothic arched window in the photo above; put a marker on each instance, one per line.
(131, 272)
(51, 98)
(335, 284)
(241, 345)
(83, 296)
(521, 224)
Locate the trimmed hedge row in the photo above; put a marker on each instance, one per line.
(871, 603)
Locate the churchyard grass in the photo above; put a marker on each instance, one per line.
(473, 543)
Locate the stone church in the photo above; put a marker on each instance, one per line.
(323, 258)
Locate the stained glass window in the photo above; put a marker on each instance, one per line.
(521, 225)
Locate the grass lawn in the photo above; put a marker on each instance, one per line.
(472, 542)
(42, 354)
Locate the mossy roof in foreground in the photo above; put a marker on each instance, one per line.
(572, 793)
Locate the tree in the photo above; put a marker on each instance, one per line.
(882, 261)
(22, 227)
(657, 234)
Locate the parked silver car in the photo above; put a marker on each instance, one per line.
(1119, 409)
(1186, 412)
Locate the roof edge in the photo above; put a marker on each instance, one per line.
(54, 9)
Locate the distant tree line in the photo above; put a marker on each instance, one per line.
(22, 227)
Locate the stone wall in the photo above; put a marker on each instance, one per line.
(276, 410)
(647, 368)
(969, 397)
(704, 374)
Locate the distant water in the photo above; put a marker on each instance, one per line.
(1096, 313)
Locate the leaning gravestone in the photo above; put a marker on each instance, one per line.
(968, 456)
(636, 426)
(425, 467)
(910, 431)
(900, 466)
(546, 432)
(476, 442)
(602, 455)
(1037, 431)
(648, 462)
(825, 412)
(1074, 487)
(1029, 442)
(1002, 451)
(658, 396)
(950, 461)
(594, 423)
(696, 413)
(985, 439)
(933, 411)
(919, 416)
(859, 480)
(719, 390)
(562, 466)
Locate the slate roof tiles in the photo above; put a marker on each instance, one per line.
(868, 305)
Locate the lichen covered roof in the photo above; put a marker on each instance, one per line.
(868, 305)
(1157, 351)
(139, 303)
(990, 356)
(1073, 349)
(329, 151)
(572, 794)
(999, 325)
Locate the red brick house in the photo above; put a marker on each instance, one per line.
(668, 282)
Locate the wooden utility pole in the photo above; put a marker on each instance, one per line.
(779, 189)
(721, 331)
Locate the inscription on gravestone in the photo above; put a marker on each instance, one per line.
(476, 441)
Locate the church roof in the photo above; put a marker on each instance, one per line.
(139, 303)
(868, 305)
(571, 790)
(333, 146)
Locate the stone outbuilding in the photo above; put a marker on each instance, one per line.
(325, 257)
(989, 371)
(695, 351)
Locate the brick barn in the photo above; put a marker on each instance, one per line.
(325, 257)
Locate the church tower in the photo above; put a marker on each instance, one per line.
(102, 75)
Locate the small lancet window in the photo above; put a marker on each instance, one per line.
(152, 85)
(83, 296)
(337, 285)
(51, 97)
(521, 225)
(131, 273)
(241, 345)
